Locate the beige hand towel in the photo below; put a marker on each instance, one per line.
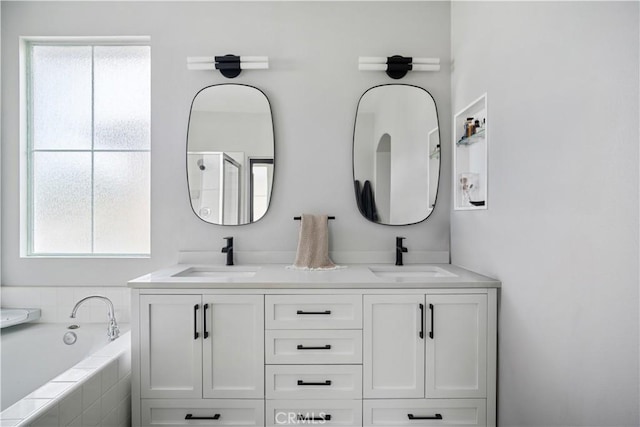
(313, 244)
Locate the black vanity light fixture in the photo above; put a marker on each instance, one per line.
(397, 66)
(229, 65)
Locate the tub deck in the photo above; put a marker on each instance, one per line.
(95, 388)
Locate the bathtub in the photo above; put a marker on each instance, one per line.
(46, 382)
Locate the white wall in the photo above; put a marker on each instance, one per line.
(0, 145)
(364, 154)
(561, 231)
(250, 133)
(313, 85)
(409, 145)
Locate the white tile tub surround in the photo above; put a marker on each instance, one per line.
(56, 303)
(95, 392)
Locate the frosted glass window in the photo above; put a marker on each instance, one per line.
(88, 163)
(122, 97)
(121, 195)
(61, 97)
(61, 202)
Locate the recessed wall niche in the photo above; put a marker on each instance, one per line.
(470, 156)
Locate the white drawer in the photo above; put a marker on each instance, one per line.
(313, 311)
(425, 412)
(314, 381)
(314, 412)
(318, 347)
(202, 412)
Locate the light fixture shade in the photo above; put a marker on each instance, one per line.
(397, 66)
(229, 65)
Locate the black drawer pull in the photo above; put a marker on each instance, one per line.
(421, 334)
(432, 308)
(205, 334)
(313, 312)
(191, 417)
(327, 382)
(325, 347)
(433, 417)
(301, 417)
(195, 321)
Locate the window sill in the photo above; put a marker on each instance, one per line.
(87, 256)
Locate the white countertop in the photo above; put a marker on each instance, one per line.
(278, 276)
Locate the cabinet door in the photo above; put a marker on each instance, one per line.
(170, 346)
(233, 339)
(393, 365)
(456, 364)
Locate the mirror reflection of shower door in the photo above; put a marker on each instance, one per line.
(204, 184)
(261, 174)
(230, 191)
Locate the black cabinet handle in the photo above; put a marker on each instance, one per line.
(432, 311)
(301, 417)
(205, 334)
(191, 417)
(195, 321)
(421, 334)
(325, 347)
(432, 417)
(313, 312)
(327, 382)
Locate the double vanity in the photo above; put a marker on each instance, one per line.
(366, 345)
(372, 345)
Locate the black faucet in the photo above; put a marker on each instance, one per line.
(399, 250)
(228, 250)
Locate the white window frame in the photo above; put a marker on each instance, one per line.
(26, 174)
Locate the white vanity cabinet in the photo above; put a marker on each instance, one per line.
(425, 346)
(427, 350)
(394, 352)
(354, 352)
(171, 346)
(314, 359)
(456, 341)
(195, 351)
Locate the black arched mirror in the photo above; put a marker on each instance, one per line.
(396, 154)
(230, 154)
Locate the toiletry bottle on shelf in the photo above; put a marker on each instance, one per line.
(469, 127)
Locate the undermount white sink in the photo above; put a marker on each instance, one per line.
(410, 272)
(222, 272)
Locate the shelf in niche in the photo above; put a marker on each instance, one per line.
(476, 137)
(470, 158)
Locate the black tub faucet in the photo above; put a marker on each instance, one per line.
(228, 249)
(399, 250)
